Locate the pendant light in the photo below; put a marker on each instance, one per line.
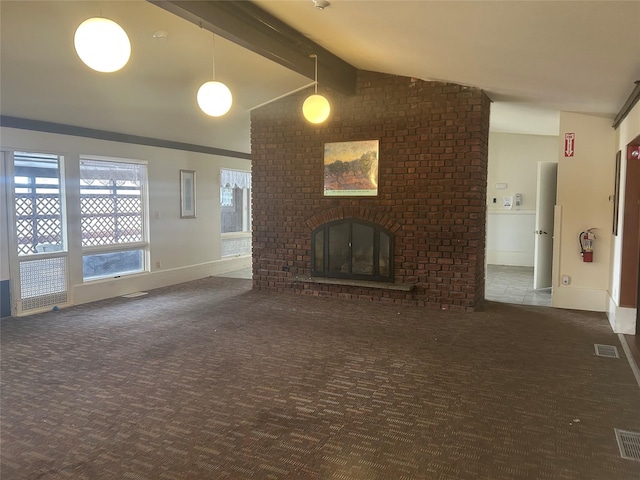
(316, 108)
(102, 44)
(214, 98)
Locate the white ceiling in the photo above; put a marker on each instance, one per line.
(533, 58)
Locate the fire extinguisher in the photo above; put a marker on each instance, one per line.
(586, 239)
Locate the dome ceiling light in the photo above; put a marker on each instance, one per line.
(214, 98)
(316, 108)
(102, 44)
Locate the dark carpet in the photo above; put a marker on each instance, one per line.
(212, 380)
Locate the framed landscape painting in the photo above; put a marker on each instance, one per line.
(351, 169)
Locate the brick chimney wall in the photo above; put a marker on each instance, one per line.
(432, 183)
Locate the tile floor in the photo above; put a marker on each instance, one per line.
(508, 284)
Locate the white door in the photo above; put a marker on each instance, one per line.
(37, 257)
(545, 202)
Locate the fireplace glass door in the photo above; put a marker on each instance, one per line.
(352, 249)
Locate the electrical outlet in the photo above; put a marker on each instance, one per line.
(566, 280)
(158, 265)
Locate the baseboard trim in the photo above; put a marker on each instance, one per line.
(621, 319)
(632, 362)
(116, 287)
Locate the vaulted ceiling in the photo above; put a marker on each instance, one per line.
(533, 58)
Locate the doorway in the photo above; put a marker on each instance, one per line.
(37, 255)
(630, 271)
(514, 181)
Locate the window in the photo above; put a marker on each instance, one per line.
(226, 196)
(38, 203)
(39, 232)
(112, 207)
(235, 207)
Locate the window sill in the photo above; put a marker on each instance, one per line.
(227, 235)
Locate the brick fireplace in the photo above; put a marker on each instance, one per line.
(433, 141)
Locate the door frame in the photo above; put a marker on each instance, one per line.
(630, 256)
(15, 260)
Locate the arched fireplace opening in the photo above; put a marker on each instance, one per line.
(352, 249)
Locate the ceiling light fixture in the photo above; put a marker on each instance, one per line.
(321, 4)
(102, 44)
(160, 35)
(214, 98)
(316, 108)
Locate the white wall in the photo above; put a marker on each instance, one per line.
(510, 239)
(622, 319)
(513, 160)
(186, 248)
(585, 184)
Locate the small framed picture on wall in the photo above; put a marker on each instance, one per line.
(187, 194)
(616, 194)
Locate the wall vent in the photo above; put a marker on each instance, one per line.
(134, 294)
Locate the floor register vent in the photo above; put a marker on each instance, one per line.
(606, 351)
(629, 444)
(134, 294)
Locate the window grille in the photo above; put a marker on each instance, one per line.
(43, 283)
(112, 217)
(38, 203)
(111, 202)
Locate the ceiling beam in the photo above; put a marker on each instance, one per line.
(628, 105)
(246, 24)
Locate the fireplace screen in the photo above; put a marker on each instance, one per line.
(352, 249)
